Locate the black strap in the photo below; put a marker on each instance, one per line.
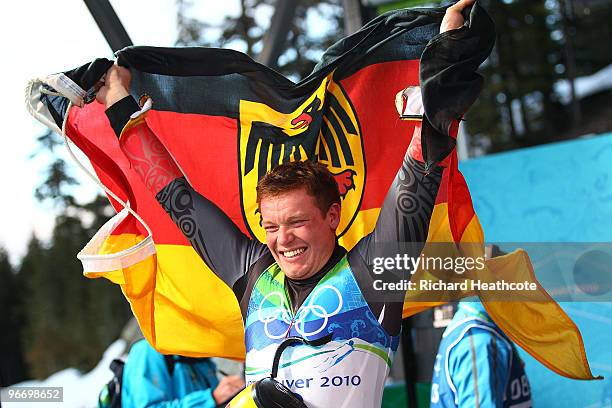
(116, 366)
(169, 359)
(290, 341)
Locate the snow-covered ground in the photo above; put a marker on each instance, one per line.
(80, 390)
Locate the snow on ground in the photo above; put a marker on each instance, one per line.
(80, 390)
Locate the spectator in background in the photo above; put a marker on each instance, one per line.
(151, 379)
(477, 365)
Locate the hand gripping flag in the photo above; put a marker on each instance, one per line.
(227, 120)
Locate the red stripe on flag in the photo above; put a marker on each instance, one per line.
(442, 196)
(372, 92)
(460, 208)
(207, 149)
(214, 173)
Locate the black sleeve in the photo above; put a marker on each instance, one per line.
(404, 216)
(449, 80)
(119, 113)
(222, 246)
(401, 227)
(218, 241)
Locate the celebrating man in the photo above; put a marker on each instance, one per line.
(301, 283)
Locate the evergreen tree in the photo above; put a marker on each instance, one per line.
(12, 369)
(591, 30)
(42, 324)
(520, 106)
(245, 32)
(70, 320)
(516, 108)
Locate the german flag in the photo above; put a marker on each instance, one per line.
(227, 120)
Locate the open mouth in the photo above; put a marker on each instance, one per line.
(293, 253)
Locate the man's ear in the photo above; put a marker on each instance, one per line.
(333, 215)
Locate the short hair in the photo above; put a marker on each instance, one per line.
(313, 176)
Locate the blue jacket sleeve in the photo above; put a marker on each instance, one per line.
(147, 383)
(479, 366)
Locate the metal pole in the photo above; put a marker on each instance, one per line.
(568, 26)
(353, 20)
(275, 38)
(109, 24)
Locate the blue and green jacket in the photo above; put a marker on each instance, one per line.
(148, 382)
(477, 365)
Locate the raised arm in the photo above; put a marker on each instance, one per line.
(449, 85)
(224, 248)
(409, 203)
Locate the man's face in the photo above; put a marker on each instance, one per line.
(299, 236)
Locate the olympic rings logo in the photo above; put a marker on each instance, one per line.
(267, 316)
(282, 313)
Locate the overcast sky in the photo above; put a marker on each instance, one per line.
(43, 37)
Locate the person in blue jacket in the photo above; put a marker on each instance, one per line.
(149, 380)
(477, 365)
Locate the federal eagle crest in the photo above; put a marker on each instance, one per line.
(323, 127)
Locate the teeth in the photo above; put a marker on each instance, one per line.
(291, 254)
